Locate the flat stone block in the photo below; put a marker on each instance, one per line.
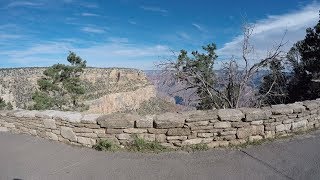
(135, 131)
(222, 125)
(179, 132)
(145, 122)
(49, 123)
(67, 133)
(169, 120)
(230, 115)
(118, 121)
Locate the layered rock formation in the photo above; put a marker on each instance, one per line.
(108, 90)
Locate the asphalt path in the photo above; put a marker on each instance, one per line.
(25, 157)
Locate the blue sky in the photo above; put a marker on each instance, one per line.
(137, 33)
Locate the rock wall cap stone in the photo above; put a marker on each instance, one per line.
(281, 109)
(145, 122)
(255, 114)
(68, 116)
(297, 107)
(230, 115)
(194, 116)
(118, 121)
(90, 118)
(25, 113)
(169, 120)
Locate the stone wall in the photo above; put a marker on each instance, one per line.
(18, 84)
(216, 128)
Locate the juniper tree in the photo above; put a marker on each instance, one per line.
(61, 87)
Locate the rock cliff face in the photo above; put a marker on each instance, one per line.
(108, 89)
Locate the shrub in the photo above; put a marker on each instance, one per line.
(4, 105)
(105, 145)
(141, 145)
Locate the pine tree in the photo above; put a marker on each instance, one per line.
(304, 57)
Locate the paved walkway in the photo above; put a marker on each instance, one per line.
(25, 157)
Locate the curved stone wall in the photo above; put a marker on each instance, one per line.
(216, 128)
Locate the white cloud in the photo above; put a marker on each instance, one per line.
(269, 31)
(154, 9)
(109, 54)
(89, 15)
(93, 30)
(23, 4)
(132, 22)
(37, 50)
(197, 26)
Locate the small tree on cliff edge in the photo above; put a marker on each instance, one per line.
(61, 87)
(197, 73)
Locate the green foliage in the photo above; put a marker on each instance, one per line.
(304, 58)
(61, 87)
(274, 85)
(197, 72)
(4, 105)
(303, 81)
(141, 145)
(105, 145)
(42, 100)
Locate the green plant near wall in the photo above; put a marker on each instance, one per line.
(106, 145)
(141, 145)
(61, 87)
(4, 105)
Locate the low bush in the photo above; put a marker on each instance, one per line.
(141, 145)
(105, 145)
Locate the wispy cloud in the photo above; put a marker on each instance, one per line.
(154, 9)
(89, 29)
(197, 26)
(132, 22)
(184, 35)
(88, 5)
(118, 54)
(5, 36)
(23, 4)
(118, 40)
(269, 31)
(89, 15)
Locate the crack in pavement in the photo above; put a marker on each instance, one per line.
(267, 165)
